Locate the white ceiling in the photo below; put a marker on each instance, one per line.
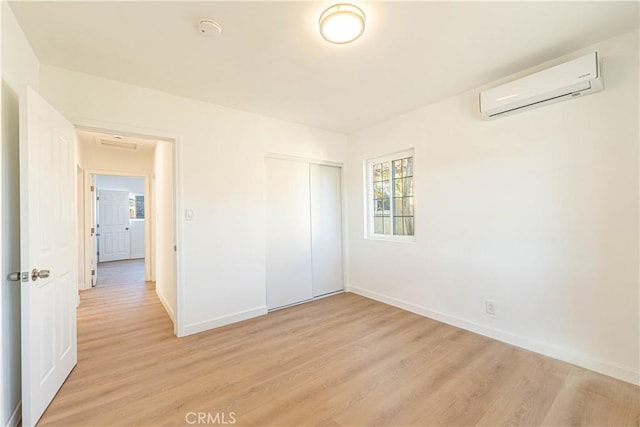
(271, 59)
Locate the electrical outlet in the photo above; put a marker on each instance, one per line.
(490, 306)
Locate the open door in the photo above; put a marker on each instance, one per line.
(48, 253)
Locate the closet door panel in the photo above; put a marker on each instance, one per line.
(326, 228)
(288, 234)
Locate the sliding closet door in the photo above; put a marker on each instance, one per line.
(326, 228)
(288, 235)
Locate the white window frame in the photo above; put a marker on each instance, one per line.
(369, 208)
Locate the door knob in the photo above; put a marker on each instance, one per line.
(39, 274)
(126, 228)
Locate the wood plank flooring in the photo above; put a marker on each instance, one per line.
(340, 361)
(130, 271)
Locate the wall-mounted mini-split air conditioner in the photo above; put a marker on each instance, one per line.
(575, 78)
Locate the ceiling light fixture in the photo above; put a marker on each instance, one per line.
(342, 23)
(209, 28)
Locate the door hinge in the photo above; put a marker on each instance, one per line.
(98, 198)
(93, 231)
(175, 248)
(93, 272)
(92, 188)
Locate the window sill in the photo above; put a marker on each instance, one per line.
(397, 239)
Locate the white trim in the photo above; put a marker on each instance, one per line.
(392, 238)
(166, 306)
(87, 222)
(400, 154)
(279, 156)
(178, 325)
(546, 349)
(194, 328)
(176, 140)
(16, 416)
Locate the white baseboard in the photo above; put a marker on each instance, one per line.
(587, 362)
(194, 328)
(136, 256)
(16, 416)
(166, 306)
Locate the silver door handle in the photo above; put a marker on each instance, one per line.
(39, 274)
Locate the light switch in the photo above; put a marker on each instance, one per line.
(188, 214)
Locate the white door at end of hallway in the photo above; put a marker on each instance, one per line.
(113, 225)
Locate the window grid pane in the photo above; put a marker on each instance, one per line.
(393, 197)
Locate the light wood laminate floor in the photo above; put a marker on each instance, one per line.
(340, 361)
(130, 271)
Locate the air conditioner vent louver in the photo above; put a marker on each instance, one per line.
(117, 143)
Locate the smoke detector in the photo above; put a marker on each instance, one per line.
(209, 28)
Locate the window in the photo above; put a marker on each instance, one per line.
(390, 182)
(136, 206)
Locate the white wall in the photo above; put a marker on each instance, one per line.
(136, 237)
(223, 248)
(105, 160)
(19, 66)
(132, 184)
(537, 211)
(164, 223)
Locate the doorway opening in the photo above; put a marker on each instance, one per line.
(120, 229)
(127, 226)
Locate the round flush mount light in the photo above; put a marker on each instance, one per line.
(209, 28)
(342, 23)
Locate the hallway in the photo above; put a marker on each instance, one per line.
(121, 323)
(128, 272)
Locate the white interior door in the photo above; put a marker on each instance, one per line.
(326, 228)
(288, 234)
(48, 249)
(113, 225)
